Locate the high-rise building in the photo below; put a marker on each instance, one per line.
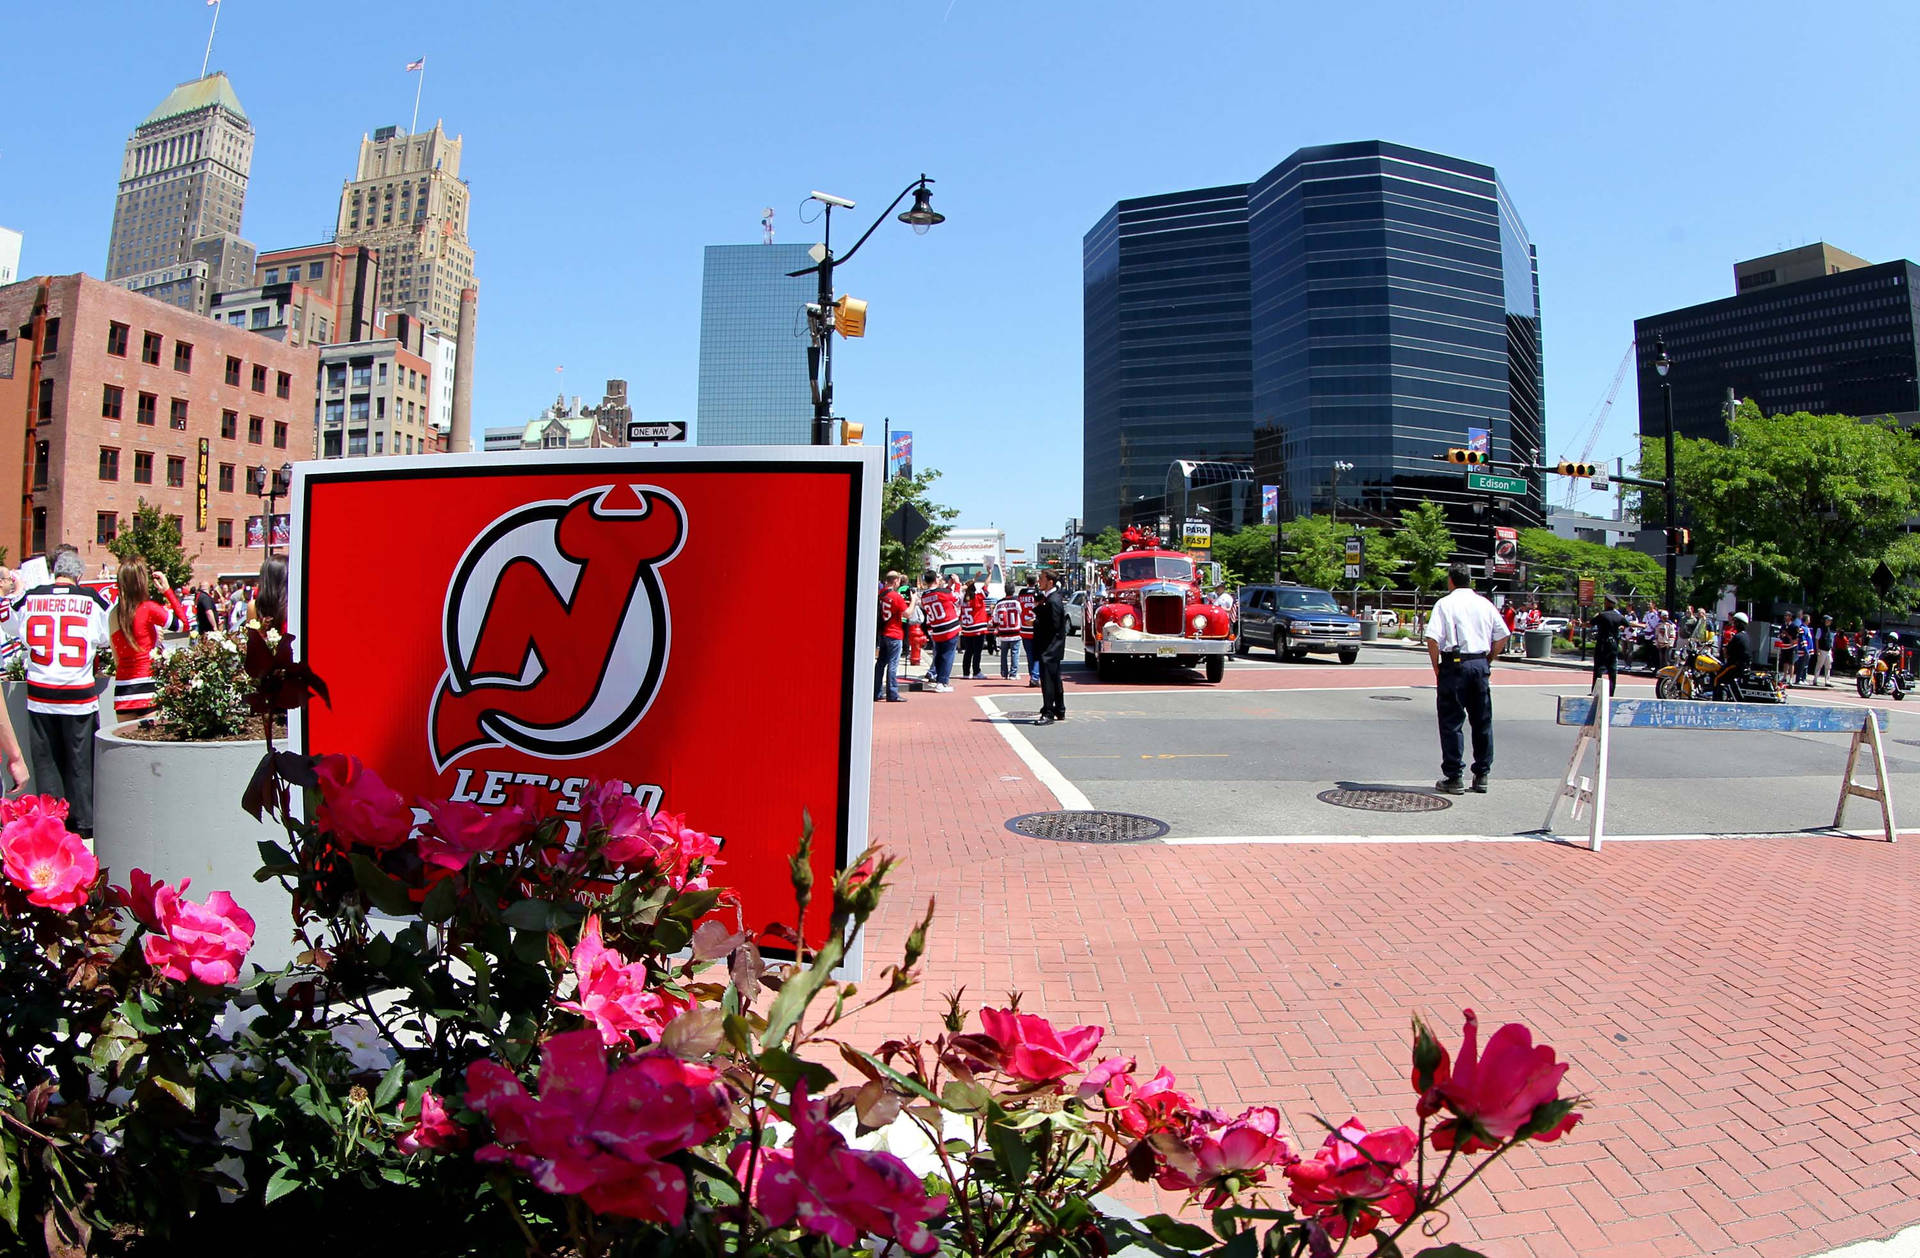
(753, 347)
(1362, 304)
(375, 397)
(9, 256)
(183, 184)
(407, 200)
(1811, 329)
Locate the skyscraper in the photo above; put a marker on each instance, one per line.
(1361, 303)
(183, 184)
(753, 347)
(407, 200)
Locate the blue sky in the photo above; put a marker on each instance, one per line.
(1647, 146)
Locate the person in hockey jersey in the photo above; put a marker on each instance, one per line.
(941, 611)
(64, 625)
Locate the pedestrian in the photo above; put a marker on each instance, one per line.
(1049, 647)
(892, 622)
(1803, 648)
(1823, 654)
(1608, 624)
(975, 629)
(204, 606)
(941, 611)
(1029, 599)
(64, 625)
(1006, 628)
(1507, 613)
(269, 606)
(1463, 635)
(136, 621)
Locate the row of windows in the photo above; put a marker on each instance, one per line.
(106, 527)
(314, 271)
(142, 468)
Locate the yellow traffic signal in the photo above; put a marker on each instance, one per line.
(850, 432)
(1472, 457)
(1576, 469)
(850, 316)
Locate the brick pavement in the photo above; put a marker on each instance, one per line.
(1743, 1015)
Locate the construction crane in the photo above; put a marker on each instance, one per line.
(1598, 420)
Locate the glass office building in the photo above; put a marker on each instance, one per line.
(1392, 304)
(753, 347)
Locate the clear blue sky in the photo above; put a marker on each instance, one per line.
(1647, 146)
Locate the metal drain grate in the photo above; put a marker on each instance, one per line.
(1385, 800)
(1088, 827)
(1392, 698)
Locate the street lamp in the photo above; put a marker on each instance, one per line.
(1339, 466)
(820, 316)
(1662, 364)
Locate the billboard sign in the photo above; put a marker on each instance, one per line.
(257, 531)
(566, 622)
(1506, 552)
(1480, 440)
(900, 455)
(1269, 504)
(1199, 535)
(200, 485)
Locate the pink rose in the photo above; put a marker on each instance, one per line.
(32, 806)
(1107, 1072)
(459, 831)
(1513, 1086)
(433, 1130)
(1144, 1108)
(1031, 1049)
(1233, 1157)
(204, 941)
(43, 858)
(138, 897)
(1354, 1178)
(357, 807)
(614, 994)
(833, 1191)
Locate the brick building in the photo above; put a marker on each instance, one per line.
(376, 396)
(111, 398)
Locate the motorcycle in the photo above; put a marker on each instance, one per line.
(1883, 677)
(1751, 686)
(1691, 679)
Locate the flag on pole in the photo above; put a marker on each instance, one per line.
(411, 65)
(211, 3)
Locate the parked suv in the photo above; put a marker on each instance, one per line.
(1291, 620)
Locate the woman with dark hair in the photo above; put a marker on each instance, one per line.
(270, 596)
(136, 621)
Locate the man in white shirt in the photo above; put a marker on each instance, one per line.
(1463, 635)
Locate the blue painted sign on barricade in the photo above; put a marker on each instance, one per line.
(1694, 714)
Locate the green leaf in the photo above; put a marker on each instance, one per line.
(390, 1086)
(531, 915)
(963, 1096)
(1171, 1231)
(385, 893)
(786, 1069)
(1010, 1151)
(272, 853)
(440, 902)
(281, 1183)
(799, 990)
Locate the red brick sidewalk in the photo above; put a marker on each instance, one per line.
(1746, 1016)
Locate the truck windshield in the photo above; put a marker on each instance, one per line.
(1309, 601)
(1147, 567)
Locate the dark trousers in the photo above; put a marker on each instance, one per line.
(886, 670)
(970, 647)
(1607, 664)
(1465, 694)
(1053, 697)
(61, 750)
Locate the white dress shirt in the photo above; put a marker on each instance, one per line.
(1464, 623)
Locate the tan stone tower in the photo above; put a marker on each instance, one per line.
(407, 200)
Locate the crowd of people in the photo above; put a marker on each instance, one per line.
(946, 618)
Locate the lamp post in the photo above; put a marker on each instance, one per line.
(1661, 364)
(820, 316)
(1339, 466)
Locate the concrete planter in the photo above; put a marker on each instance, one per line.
(173, 809)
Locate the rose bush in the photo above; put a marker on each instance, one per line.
(521, 1031)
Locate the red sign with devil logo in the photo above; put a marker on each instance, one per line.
(485, 623)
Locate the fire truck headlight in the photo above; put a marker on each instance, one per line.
(1126, 621)
(1199, 624)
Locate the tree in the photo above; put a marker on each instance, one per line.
(1424, 544)
(1796, 508)
(1105, 546)
(1560, 562)
(911, 559)
(1246, 555)
(1318, 549)
(155, 538)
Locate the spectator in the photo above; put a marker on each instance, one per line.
(136, 622)
(205, 610)
(941, 612)
(975, 629)
(1608, 624)
(892, 622)
(1049, 647)
(270, 596)
(1823, 654)
(1463, 635)
(1028, 601)
(1006, 628)
(64, 625)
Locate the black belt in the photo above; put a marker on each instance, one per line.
(1456, 657)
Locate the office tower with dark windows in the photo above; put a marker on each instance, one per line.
(183, 184)
(753, 347)
(1811, 329)
(1362, 304)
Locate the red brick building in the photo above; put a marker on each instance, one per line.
(114, 397)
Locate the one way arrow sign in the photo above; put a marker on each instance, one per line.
(657, 432)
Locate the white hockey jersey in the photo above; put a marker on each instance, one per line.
(63, 627)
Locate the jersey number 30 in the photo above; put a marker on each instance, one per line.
(71, 642)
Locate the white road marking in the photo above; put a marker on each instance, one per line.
(1565, 840)
(1065, 793)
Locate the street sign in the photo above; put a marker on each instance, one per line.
(905, 524)
(1356, 557)
(1480, 440)
(1199, 535)
(1883, 579)
(1599, 480)
(656, 432)
(1586, 591)
(1506, 552)
(1353, 572)
(1496, 483)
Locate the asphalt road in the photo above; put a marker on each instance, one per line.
(1215, 762)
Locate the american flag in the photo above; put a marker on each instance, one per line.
(416, 65)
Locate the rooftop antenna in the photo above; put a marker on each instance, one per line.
(766, 225)
(208, 55)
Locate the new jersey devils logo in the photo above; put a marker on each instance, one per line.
(556, 627)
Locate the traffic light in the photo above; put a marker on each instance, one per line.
(1576, 469)
(1475, 458)
(850, 432)
(850, 316)
(1680, 541)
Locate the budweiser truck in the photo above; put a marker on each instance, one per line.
(1154, 612)
(973, 555)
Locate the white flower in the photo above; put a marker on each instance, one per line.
(365, 1049)
(236, 1170)
(194, 684)
(235, 1019)
(907, 1139)
(286, 1064)
(234, 1128)
(273, 637)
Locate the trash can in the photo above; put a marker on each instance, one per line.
(1539, 644)
(1369, 629)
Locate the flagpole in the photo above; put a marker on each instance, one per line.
(418, 84)
(208, 55)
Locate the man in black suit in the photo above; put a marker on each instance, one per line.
(1049, 648)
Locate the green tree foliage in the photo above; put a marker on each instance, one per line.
(1105, 546)
(1246, 555)
(155, 538)
(911, 560)
(1558, 563)
(1797, 508)
(1423, 546)
(1317, 550)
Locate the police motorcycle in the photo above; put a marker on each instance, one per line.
(1885, 674)
(1689, 676)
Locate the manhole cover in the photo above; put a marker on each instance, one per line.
(1385, 801)
(1392, 698)
(1088, 827)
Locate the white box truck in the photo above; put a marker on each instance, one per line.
(978, 555)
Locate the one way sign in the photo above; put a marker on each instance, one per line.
(656, 432)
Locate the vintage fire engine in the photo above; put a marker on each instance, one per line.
(1154, 611)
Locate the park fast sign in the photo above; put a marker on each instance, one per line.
(697, 623)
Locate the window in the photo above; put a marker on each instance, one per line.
(39, 537)
(147, 407)
(176, 470)
(315, 270)
(259, 378)
(45, 410)
(383, 373)
(179, 526)
(177, 414)
(330, 445)
(233, 370)
(182, 356)
(110, 396)
(362, 375)
(223, 533)
(106, 527)
(273, 275)
(358, 411)
(256, 429)
(379, 443)
(380, 408)
(260, 314)
(356, 443)
(50, 337)
(117, 339)
(226, 478)
(336, 411)
(336, 376)
(143, 467)
(42, 452)
(230, 425)
(283, 384)
(109, 463)
(150, 348)
(279, 434)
